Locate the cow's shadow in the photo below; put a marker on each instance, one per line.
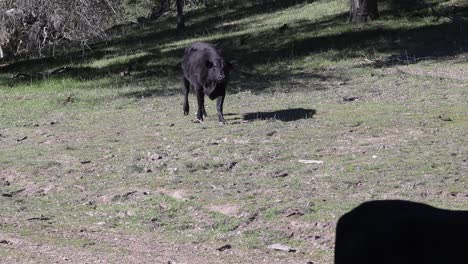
(285, 115)
(401, 232)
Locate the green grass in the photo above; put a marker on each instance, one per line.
(115, 157)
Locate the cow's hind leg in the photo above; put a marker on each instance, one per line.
(185, 90)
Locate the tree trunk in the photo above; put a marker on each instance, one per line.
(363, 10)
(180, 16)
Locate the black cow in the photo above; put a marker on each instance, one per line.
(207, 73)
(401, 232)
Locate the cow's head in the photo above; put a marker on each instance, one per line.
(218, 69)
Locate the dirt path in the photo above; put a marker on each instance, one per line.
(123, 248)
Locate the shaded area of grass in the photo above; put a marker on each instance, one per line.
(286, 115)
(257, 50)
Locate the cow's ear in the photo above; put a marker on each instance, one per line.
(229, 66)
(209, 64)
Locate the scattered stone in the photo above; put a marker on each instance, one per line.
(85, 161)
(280, 175)
(5, 242)
(357, 124)
(311, 161)
(122, 197)
(154, 157)
(4, 182)
(40, 218)
(350, 98)
(171, 125)
(293, 212)
(87, 244)
(109, 156)
(448, 119)
(21, 139)
(269, 134)
(225, 247)
(13, 193)
(281, 247)
(231, 165)
(68, 100)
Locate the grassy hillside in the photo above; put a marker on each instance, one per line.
(96, 168)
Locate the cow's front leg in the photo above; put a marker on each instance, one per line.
(185, 90)
(219, 108)
(201, 104)
(204, 111)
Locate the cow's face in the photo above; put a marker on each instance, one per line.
(218, 69)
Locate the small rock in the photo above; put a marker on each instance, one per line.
(87, 244)
(21, 139)
(225, 247)
(356, 124)
(109, 156)
(445, 118)
(40, 218)
(269, 134)
(68, 100)
(85, 161)
(280, 175)
(4, 182)
(5, 242)
(293, 212)
(155, 157)
(281, 247)
(350, 98)
(231, 165)
(311, 161)
(171, 125)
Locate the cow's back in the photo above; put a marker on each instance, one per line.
(400, 232)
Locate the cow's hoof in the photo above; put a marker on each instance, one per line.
(198, 121)
(186, 112)
(223, 123)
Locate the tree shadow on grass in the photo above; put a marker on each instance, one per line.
(269, 48)
(151, 93)
(286, 115)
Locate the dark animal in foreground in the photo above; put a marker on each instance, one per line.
(401, 232)
(207, 73)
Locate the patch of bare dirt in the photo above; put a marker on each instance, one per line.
(180, 195)
(226, 209)
(118, 247)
